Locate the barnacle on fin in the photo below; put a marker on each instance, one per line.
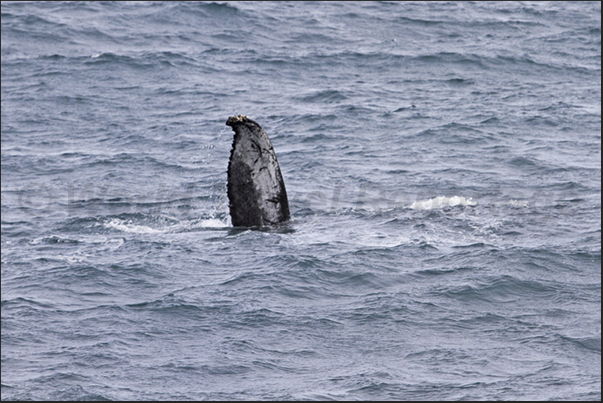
(237, 119)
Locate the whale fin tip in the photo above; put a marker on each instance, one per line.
(232, 120)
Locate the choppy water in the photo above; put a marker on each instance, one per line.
(443, 167)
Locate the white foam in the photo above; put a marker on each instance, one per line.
(213, 223)
(128, 226)
(210, 223)
(441, 202)
(518, 203)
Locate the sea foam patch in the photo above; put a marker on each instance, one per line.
(443, 201)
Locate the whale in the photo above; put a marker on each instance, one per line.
(256, 190)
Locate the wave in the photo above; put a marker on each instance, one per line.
(324, 96)
(503, 289)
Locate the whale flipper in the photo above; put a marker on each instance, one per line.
(256, 190)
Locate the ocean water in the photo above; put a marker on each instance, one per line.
(443, 166)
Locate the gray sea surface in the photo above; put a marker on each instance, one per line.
(443, 167)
